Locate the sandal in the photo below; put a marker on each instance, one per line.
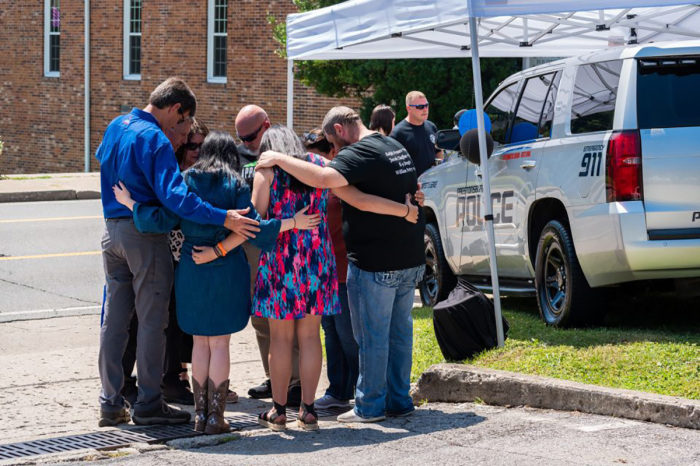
(301, 420)
(231, 397)
(270, 420)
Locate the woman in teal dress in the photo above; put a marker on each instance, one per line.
(213, 299)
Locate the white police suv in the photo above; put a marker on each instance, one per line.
(595, 180)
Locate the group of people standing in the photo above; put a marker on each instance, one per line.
(358, 285)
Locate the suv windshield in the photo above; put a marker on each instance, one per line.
(667, 92)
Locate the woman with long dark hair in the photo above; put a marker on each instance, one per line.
(213, 300)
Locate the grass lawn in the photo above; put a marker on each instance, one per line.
(650, 344)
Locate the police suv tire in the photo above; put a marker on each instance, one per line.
(563, 295)
(438, 280)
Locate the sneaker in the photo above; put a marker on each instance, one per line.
(327, 401)
(294, 396)
(178, 393)
(163, 414)
(108, 419)
(352, 416)
(404, 414)
(264, 390)
(130, 391)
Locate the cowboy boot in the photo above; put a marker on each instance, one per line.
(216, 396)
(200, 405)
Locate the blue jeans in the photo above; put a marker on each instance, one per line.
(380, 305)
(342, 353)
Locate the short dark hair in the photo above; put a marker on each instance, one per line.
(381, 118)
(339, 116)
(174, 91)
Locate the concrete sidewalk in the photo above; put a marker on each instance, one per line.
(50, 383)
(49, 187)
(49, 390)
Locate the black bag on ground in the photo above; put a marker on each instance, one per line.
(465, 323)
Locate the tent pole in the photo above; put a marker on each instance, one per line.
(486, 196)
(87, 86)
(290, 93)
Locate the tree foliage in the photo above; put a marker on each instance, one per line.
(446, 82)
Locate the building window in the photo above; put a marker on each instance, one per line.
(217, 38)
(52, 37)
(132, 39)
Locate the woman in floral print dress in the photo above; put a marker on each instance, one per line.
(297, 281)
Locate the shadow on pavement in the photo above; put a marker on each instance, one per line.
(336, 435)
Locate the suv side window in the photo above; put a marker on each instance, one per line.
(595, 93)
(531, 109)
(667, 92)
(500, 111)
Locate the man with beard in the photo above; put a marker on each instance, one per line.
(385, 253)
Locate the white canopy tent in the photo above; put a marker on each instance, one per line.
(390, 29)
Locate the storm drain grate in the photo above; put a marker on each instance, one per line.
(99, 440)
(113, 439)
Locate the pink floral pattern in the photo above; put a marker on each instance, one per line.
(299, 276)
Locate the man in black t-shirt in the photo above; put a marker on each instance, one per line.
(418, 134)
(385, 253)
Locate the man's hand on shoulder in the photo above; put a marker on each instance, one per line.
(238, 223)
(268, 159)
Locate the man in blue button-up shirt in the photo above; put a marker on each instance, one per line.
(138, 267)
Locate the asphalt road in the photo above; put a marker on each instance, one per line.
(50, 262)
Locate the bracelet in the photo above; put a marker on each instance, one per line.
(295, 223)
(408, 211)
(221, 249)
(217, 252)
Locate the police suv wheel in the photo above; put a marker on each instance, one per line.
(438, 280)
(563, 295)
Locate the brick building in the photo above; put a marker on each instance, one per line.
(223, 49)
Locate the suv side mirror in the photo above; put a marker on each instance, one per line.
(448, 139)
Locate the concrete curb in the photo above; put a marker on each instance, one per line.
(55, 195)
(461, 383)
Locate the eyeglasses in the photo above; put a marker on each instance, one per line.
(251, 137)
(312, 138)
(420, 106)
(193, 145)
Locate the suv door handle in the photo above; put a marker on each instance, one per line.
(528, 164)
(477, 172)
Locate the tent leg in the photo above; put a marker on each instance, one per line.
(486, 197)
(290, 93)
